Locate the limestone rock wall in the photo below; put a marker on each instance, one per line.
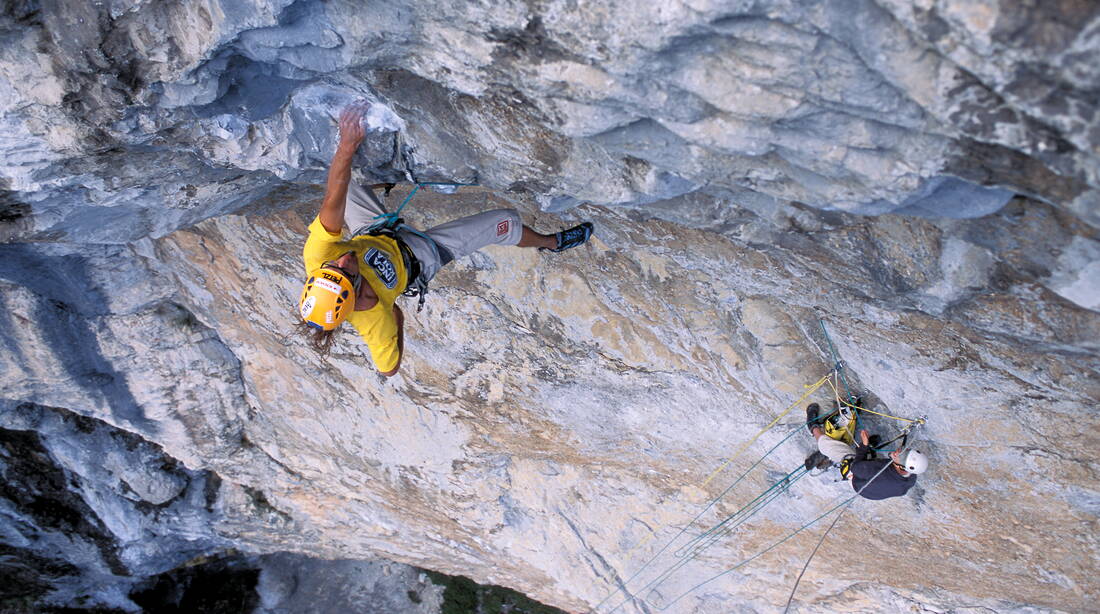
(558, 416)
(858, 105)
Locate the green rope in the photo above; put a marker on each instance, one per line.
(688, 552)
(770, 493)
(839, 367)
(844, 503)
(387, 220)
(726, 530)
(758, 554)
(709, 505)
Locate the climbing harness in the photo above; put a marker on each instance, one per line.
(391, 224)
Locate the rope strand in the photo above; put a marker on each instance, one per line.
(695, 546)
(715, 533)
(623, 588)
(388, 219)
(811, 557)
(811, 389)
(780, 542)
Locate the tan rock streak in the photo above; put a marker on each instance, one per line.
(561, 412)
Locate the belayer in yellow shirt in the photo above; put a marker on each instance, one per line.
(359, 278)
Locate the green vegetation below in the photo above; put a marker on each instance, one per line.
(462, 595)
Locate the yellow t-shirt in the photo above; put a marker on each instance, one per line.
(381, 265)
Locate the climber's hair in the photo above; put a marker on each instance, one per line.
(320, 340)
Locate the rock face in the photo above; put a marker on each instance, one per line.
(921, 178)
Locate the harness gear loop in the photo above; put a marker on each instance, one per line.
(846, 463)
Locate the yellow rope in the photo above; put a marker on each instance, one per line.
(810, 390)
(836, 395)
(839, 402)
(880, 414)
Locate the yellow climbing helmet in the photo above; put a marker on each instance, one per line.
(327, 297)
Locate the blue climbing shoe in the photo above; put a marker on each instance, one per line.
(568, 239)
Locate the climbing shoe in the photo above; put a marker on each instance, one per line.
(568, 239)
(817, 460)
(811, 417)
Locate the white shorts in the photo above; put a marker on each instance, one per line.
(835, 450)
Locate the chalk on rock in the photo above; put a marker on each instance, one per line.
(330, 101)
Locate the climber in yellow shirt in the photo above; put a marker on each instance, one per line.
(359, 278)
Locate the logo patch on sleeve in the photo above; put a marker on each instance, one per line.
(382, 266)
(503, 227)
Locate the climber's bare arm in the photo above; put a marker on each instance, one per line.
(339, 172)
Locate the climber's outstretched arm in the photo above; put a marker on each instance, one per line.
(339, 172)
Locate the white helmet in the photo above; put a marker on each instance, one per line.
(915, 462)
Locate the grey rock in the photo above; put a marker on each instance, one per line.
(953, 197)
(921, 177)
(799, 101)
